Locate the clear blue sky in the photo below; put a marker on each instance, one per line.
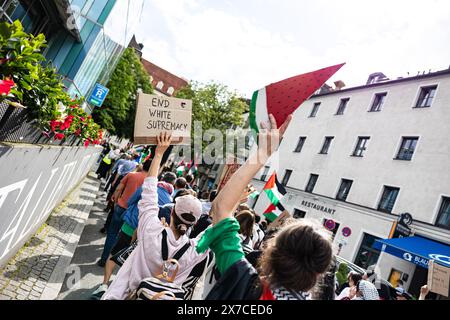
(247, 44)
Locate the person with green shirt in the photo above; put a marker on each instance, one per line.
(294, 258)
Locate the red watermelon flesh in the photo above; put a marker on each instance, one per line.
(285, 96)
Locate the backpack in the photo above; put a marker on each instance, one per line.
(162, 286)
(120, 257)
(246, 247)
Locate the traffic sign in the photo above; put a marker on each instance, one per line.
(330, 224)
(346, 232)
(98, 95)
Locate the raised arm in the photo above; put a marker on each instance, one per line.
(229, 197)
(163, 143)
(148, 206)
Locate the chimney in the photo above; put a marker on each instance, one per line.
(376, 77)
(339, 85)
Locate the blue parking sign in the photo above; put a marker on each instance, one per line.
(98, 95)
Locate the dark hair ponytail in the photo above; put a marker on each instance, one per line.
(180, 226)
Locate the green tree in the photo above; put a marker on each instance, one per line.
(214, 105)
(117, 112)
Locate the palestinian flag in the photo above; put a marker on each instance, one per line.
(193, 169)
(180, 170)
(273, 211)
(274, 190)
(284, 97)
(254, 194)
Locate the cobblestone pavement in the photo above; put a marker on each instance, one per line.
(39, 268)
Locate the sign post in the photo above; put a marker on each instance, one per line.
(156, 114)
(98, 95)
(401, 227)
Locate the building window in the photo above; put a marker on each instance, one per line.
(388, 198)
(300, 143)
(311, 183)
(264, 174)
(378, 102)
(407, 148)
(344, 189)
(314, 110)
(7, 8)
(326, 145)
(159, 85)
(426, 96)
(360, 146)
(342, 106)
(298, 214)
(394, 277)
(170, 91)
(443, 219)
(287, 175)
(367, 255)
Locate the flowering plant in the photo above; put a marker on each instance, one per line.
(75, 121)
(26, 79)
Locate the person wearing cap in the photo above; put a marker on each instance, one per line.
(146, 260)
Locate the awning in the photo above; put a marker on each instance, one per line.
(416, 250)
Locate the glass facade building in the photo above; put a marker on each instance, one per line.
(85, 37)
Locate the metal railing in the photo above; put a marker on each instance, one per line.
(17, 126)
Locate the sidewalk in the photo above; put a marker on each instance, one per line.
(85, 275)
(39, 268)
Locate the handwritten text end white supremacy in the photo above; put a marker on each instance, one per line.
(164, 121)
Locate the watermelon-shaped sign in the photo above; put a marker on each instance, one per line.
(282, 98)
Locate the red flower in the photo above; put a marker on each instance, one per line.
(59, 136)
(5, 86)
(82, 118)
(64, 125)
(54, 124)
(78, 132)
(96, 141)
(86, 143)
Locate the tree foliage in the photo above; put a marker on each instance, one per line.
(118, 111)
(214, 105)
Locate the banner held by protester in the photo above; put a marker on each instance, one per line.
(155, 114)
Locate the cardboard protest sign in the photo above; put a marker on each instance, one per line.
(156, 114)
(438, 279)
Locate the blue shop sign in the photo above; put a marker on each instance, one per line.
(416, 250)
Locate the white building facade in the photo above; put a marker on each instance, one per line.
(360, 157)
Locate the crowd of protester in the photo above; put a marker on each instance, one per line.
(170, 241)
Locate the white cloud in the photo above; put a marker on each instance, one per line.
(247, 46)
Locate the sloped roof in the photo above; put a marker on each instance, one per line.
(168, 79)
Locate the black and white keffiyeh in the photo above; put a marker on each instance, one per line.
(367, 290)
(284, 294)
